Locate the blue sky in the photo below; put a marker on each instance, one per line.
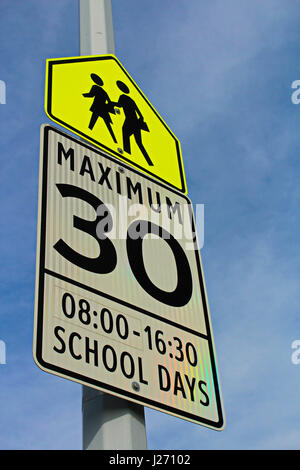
(220, 74)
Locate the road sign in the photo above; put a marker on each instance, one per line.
(96, 98)
(120, 297)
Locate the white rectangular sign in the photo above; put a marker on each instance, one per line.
(120, 297)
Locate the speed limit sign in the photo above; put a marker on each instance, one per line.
(120, 299)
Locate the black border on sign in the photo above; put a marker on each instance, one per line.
(183, 188)
(40, 300)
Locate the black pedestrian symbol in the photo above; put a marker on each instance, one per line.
(134, 122)
(102, 105)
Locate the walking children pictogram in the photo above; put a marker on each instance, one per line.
(101, 106)
(134, 122)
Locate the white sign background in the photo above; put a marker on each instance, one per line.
(127, 315)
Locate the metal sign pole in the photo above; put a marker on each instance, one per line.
(108, 422)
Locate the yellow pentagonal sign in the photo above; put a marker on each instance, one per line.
(96, 98)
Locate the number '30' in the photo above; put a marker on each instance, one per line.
(107, 260)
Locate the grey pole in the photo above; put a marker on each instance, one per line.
(108, 422)
(96, 27)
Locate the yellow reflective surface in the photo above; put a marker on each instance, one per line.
(96, 98)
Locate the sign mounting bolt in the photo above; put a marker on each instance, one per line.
(135, 386)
